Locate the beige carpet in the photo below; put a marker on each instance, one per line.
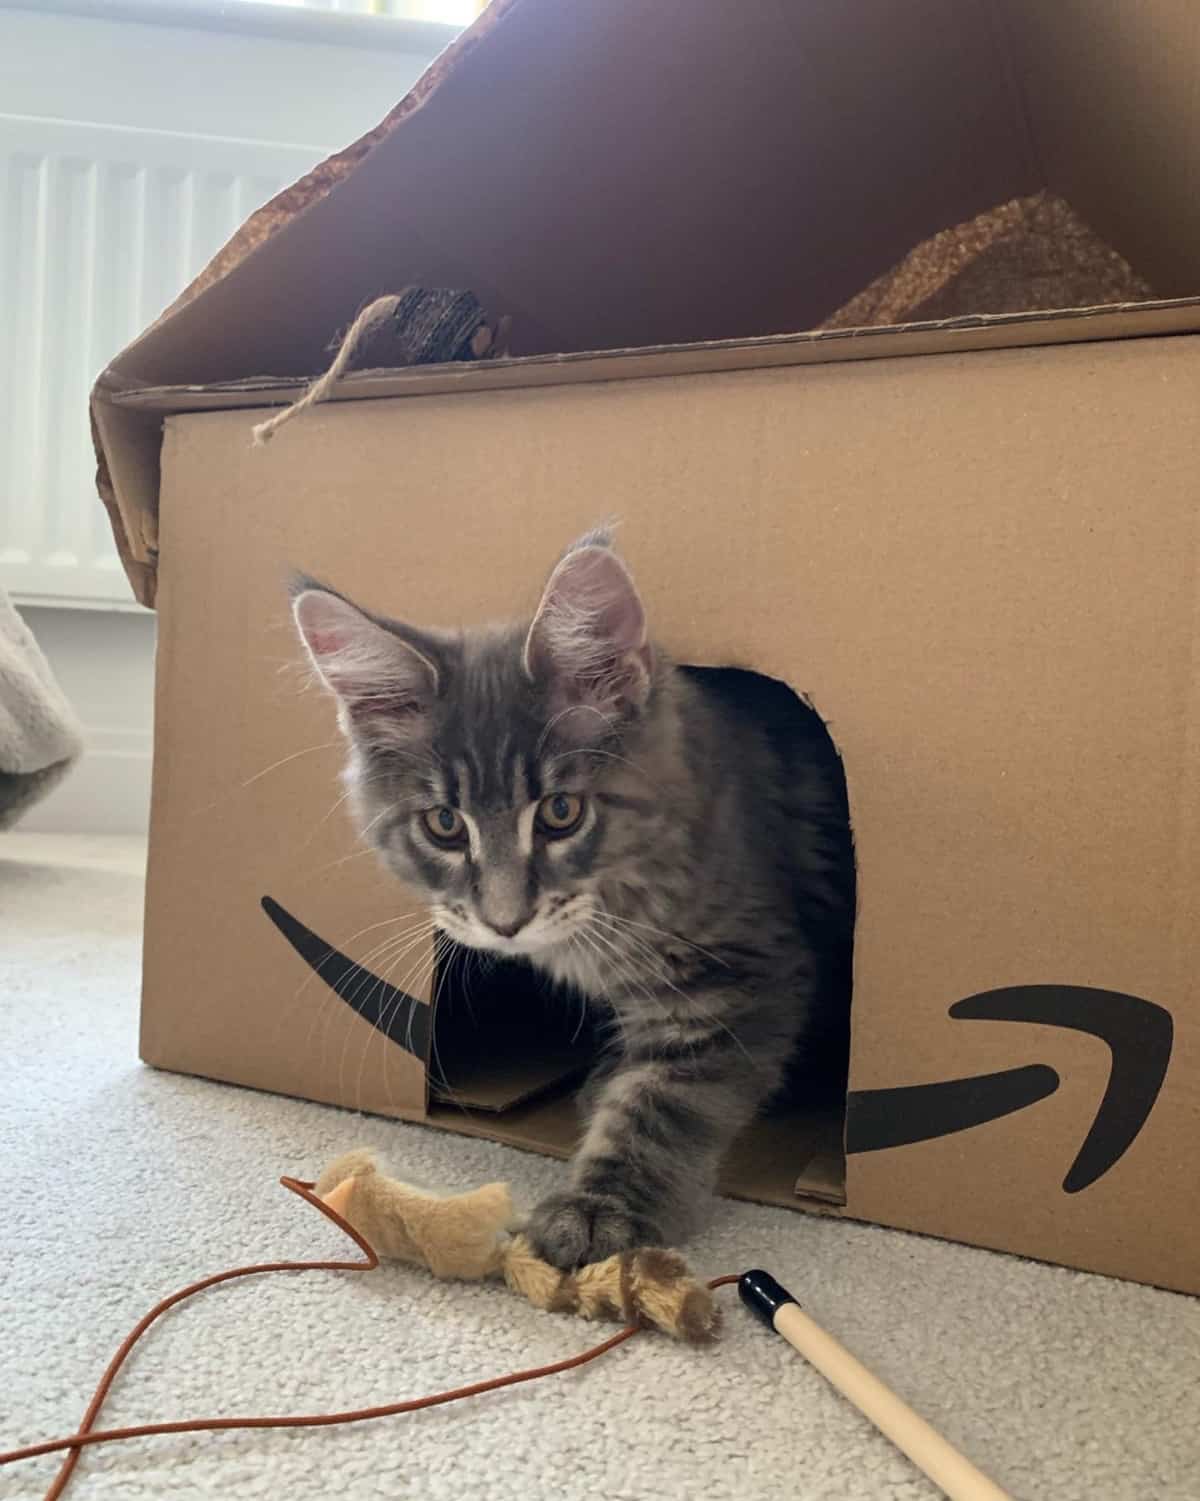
(121, 1184)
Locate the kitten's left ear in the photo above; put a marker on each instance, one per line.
(588, 639)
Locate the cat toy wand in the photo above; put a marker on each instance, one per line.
(951, 1471)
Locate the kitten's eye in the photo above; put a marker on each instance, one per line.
(445, 825)
(560, 813)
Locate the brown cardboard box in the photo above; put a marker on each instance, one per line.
(974, 547)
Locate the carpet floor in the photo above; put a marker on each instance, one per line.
(122, 1184)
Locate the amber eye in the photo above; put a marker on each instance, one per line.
(445, 825)
(560, 813)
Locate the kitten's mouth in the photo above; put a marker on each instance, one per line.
(523, 945)
(519, 945)
(543, 932)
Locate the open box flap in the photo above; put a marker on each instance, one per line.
(614, 177)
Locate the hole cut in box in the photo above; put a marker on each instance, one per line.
(510, 1049)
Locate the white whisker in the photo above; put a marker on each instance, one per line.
(662, 933)
(562, 714)
(611, 756)
(363, 982)
(695, 1010)
(411, 942)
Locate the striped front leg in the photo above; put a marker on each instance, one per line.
(649, 1156)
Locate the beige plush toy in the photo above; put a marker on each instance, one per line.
(475, 1235)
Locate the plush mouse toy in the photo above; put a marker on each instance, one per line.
(476, 1235)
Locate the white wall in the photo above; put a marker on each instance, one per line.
(104, 660)
(259, 74)
(284, 78)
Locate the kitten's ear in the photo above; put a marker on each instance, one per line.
(588, 638)
(380, 675)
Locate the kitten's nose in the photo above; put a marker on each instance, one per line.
(504, 902)
(508, 929)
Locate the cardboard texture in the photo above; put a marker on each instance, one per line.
(975, 547)
(1032, 253)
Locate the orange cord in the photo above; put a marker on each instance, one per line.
(86, 1435)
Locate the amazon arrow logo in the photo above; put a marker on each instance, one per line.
(1139, 1036)
(1138, 1033)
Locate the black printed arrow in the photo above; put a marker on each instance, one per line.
(1139, 1035)
(399, 1016)
(880, 1118)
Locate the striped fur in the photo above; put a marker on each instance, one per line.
(704, 903)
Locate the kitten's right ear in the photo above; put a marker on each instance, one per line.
(380, 675)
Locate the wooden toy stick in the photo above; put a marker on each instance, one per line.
(951, 1471)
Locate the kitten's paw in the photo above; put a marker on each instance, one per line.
(569, 1230)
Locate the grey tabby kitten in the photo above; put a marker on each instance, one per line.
(655, 836)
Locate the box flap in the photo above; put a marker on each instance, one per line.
(617, 178)
(641, 178)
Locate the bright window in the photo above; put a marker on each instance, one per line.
(452, 12)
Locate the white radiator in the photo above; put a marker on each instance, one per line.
(100, 227)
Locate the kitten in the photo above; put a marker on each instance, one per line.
(647, 833)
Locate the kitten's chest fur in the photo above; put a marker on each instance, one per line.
(627, 971)
(577, 969)
(636, 990)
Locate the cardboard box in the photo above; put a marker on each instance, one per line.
(974, 547)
